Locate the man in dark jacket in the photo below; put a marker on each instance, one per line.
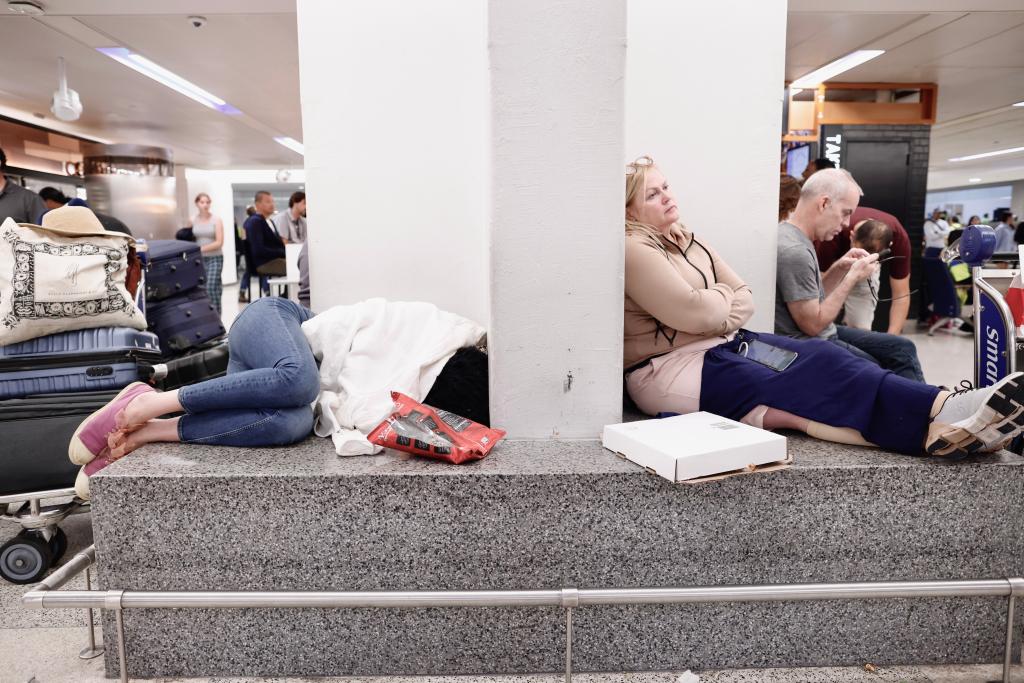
(264, 243)
(24, 206)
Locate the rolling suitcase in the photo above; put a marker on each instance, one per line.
(173, 267)
(80, 360)
(197, 366)
(184, 322)
(36, 432)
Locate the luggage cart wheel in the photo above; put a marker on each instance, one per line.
(58, 545)
(25, 559)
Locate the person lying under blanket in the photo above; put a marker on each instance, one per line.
(284, 361)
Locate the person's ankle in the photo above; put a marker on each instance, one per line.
(136, 413)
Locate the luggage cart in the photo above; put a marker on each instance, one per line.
(998, 351)
(41, 543)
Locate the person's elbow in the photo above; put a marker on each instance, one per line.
(807, 318)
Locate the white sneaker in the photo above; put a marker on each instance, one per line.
(988, 419)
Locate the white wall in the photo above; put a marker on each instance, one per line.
(557, 101)
(704, 86)
(394, 118)
(976, 201)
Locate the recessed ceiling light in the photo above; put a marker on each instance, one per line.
(974, 180)
(31, 9)
(292, 144)
(998, 152)
(167, 78)
(833, 69)
(1019, 104)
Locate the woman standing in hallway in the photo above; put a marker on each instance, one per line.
(209, 232)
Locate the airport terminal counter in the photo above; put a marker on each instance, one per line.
(548, 515)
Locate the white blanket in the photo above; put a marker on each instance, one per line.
(372, 348)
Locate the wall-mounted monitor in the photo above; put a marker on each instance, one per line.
(797, 159)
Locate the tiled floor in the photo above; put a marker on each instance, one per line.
(42, 646)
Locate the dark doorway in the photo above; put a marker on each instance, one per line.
(882, 170)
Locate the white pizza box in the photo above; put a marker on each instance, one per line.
(697, 446)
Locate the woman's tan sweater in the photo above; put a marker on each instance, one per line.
(668, 304)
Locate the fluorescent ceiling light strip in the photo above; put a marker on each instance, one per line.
(833, 69)
(984, 155)
(1019, 104)
(292, 144)
(167, 78)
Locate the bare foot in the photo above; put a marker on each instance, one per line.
(121, 446)
(133, 415)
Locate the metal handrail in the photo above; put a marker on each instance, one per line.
(46, 596)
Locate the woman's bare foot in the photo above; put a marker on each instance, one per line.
(146, 407)
(123, 443)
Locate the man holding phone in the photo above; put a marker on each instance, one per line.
(807, 302)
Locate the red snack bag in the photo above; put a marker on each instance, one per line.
(417, 428)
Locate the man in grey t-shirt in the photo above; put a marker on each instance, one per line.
(807, 302)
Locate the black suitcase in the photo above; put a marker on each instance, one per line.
(173, 267)
(36, 431)
(98, 359)
(184, 322)
(197, 366)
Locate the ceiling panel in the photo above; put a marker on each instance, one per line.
(976, 58)
(831, 36)
(252, 61)
(124, 106)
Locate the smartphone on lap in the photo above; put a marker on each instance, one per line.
(774, 357)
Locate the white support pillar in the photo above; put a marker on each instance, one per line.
(557, 179)
(394, 119)
(704, 88)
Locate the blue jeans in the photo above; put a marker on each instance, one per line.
(892, 352)
(272, 378)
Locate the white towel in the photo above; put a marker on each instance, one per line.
(369, 349)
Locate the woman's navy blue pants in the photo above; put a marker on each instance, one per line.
(826, 384)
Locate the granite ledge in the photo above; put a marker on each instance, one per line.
(315, 457)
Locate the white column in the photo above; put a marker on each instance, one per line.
(704, 87)
(557, 116)
(394, 118)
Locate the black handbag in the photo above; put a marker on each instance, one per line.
(185, 235)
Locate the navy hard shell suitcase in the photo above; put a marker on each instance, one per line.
(200, 365)
(184, 322)
(36, 432)
(80, 360)
(173, 267)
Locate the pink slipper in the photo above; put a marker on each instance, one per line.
(90, 438)
(91, 468)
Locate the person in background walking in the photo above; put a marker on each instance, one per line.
(209, 232)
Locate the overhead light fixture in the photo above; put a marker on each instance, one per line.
(794, 91)
(292, 144)
(26, 7)
(1019, 104)
(167, 78)
(974, 180)
(997, 153)
(833, 69)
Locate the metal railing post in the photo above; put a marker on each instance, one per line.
(92, 651)
(122, 649)
(570, 599)
(1016, 588)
